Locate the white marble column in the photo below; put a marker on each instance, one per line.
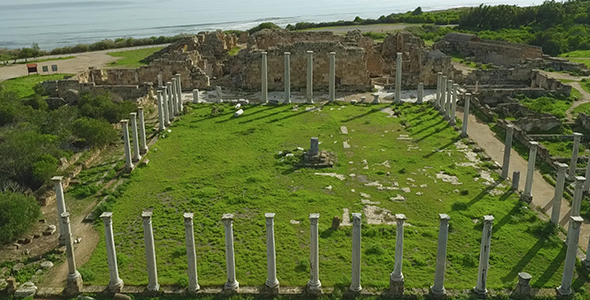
(264, 78)
(441, 256)
(398, 78)
(172, 98)
(578, 194)
(175, 94)
(287, 77)
(74, 283)
(115, 283)
(135, 136)
(166, 107)
(160, 82)
(559, 186)
(586, 260)
(143, 149)
(271, 259)
(150, 251)
(587, 175)
(61, 206)
(127, 145)
(574, 161)
(573, 235)
(232, 284)
(438, 86)
(507, 149)
(454, 97)
(161, 125)
(443, 95)
(527, 196)
(396, 279)
(484, 256)
(179, 93)
(309, 95)
(332, 81)
(189, 232)
(314, 285)
(466, 101)
(196, 96)
(447, 114)
(420, 97)
(355, 285)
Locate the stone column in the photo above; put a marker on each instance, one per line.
(523, 287)
(128, 161)
(441, 257)
(271, 260)
(160, 82)
(309, 96)
(355, 285)
(443, 94)
(74, 283)
(314, 285)
(527, 196)
(559, 186)
(438, 90)
(454, 103)
(466, 101)
(447, 113)
(196, 96)
(175, 96)
(219, 93)
(332, 79)
(515, 180)
(396, 279)
(484, 256)
(144, 148)
(314, 147)
(587, 183)
(116, 283)
(193, 281)
(161, 125)
(264, 78)
(574, 161)
(150, 251)
(578, 193)
(287, 77)
(398, 78)
(420, 93)
(375, 99)
(166, 107)
(507, 149)
(573, 235)
(136, 155)
(179, 93)
(232, 284)
(61, 207)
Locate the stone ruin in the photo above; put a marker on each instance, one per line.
(316, 158)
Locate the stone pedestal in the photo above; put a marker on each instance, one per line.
(523, 287)
(272, 283)
(576, 148)
(264, 77)
(438, 288)
(484, 256)
(332, 77)
(396, 279)
(515, 180)
(232, 285)
(161, 124)
(74, 282)
(420, 96)
(355, 285)
(527, 196)
(375, 98)
(466, 115)
(287, 77)
(398, 78)
(61, 207)
(135, 135)
(126, 144)
(196, 96)
(314, 147)
(559, 186)
(573, 235)
(115, 283)
(309, 93)
(143, 149)
(578, 194)
(150, 252)
(314, 286)
(193, 281)
(507, 148)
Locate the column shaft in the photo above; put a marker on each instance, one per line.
(74, 282)
(150, 251)
(115, 283)
(438, 90)
(175, 96)
(443, 94)
(314, 283)
(484, 256)
(507, 149)
(332, 75)
(128, 160)
(559, 186)
(573, 235)
(466, 114)
(144, 148)
(196, 96)
(447, 114)
(264, 78)
(166, 106)
(179, 93)
(527, 196)
(135, 136)
(396, 279)
(587, 175)
(161, 125)
(578, 194)
(287, 77)
(231, 284)
(576, 148)
(193, 281)
(441, 256)
(61, 206)
(355, 285)
(309, 76)
(271, 260)
(398, 78)
(420, 93)
(454, 103)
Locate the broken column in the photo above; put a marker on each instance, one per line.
(160, 81)
(128, 160)
(196, 96)
(115, 283)
(443, 95)
(144, 148)
(396, 279)
(573, 235)
(466, 101)
(314, 147)
(441, 256)
(559, 186)
(74, 283)
(420, 93)
(161, 125)
(264, 77)
(515, 180)
(578, 194)
(527, 196)
(179, 93)
(484, 256)
(136, 155)
(309, 96)
(272, 283)
(287, 77)
(332, 81)
(574, 161)
(150, 252)
(375, 99)
(523, 287)
(355, 285)
(447, 113)
(398, 78)
(219, 93)
(61, 207)
(314, 285)
(454, 104)
(507, 149)
(232, 284)
(193, 281)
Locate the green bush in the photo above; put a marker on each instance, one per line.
(95, 132)
(44, 168)
(18, 213)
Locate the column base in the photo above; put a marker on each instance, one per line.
(144, 151)
(396, 285)
(193, 290)
(355, 289)
(480, 293)
(136, 159)
(436, 292)
(231, 286)
(314, 289)
(272, 288)
(464, 135)
(563, 292)
(526, 198)
(452, 122)
(74, 284)
(154, 288)
(128, 169)
(117, 286)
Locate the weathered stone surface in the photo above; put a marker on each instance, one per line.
(27, 289)
(46, 265)
(118, 296)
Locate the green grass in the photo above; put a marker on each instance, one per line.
(23, 86)
(576, 94)
(583, 108)
(233, 51)
(546, 104)
(585, 83)
(132, 58)
(577, 53)
(566, 80)
(581, 61)
(215, 165)
(561, 148)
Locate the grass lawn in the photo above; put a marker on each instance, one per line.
(561, 148)
(215, 165)
(132, 59)
(554, 106)
(577, 53)
(23, 86)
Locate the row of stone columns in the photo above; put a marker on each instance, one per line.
(139, 139)
(169, 101)
(447, 94)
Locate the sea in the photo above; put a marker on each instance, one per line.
(58, 23)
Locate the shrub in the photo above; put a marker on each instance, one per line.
(95, 132)
(17, 214)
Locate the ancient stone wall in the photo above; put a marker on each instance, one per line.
(540, 80)
(512, 76)
(59, 88)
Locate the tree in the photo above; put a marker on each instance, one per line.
(94, 132)
(18, 213)
(417, 11)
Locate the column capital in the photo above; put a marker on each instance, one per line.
(578, 135)
(309, 52)
(133, 115)
(577, 221)
(227, 219)
(146, 215)
(561, 167)
(140, 108)
(169, 83)
(580, 179)
(188, 216)
(332, 53)
(57, 179)
(65, 216)
(124, 121)
(263, 53)
(313, 218)
(287, 53)
(469, 95)
(400, 218)
(533, 144)
(444, 217)
(439, 73)
(488, 219)
(173, 79)
(159, 91)
(107, 217)
(269, 218)
(356, 219)
(399, 54)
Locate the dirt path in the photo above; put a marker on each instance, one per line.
(585, 99)
(542, 191)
